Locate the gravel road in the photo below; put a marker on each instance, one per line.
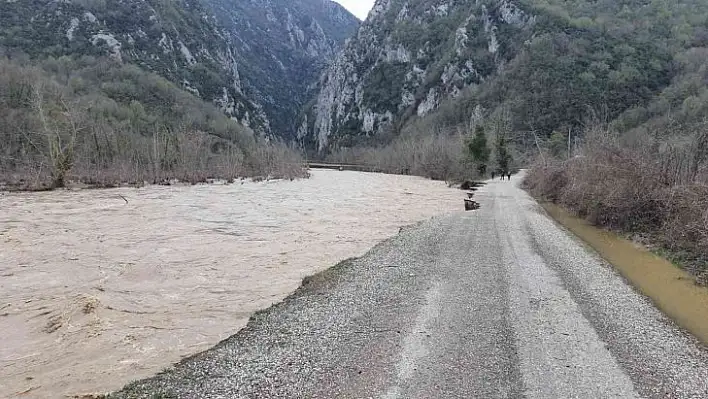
(496, 303)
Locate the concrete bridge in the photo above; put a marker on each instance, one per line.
(340, 166)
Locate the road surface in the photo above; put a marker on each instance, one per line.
(496, 303)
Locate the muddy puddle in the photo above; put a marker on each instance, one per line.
(102, 287)
(672, 290)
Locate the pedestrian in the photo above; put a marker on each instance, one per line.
(493, 173)
(508, 175)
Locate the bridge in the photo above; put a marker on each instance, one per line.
(341, 166)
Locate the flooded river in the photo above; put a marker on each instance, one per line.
(102, 287)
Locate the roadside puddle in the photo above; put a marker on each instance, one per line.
(673, 290)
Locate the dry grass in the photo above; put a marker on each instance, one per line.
(654, 192)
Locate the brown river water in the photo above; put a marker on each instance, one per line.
(671, 289)
(96, 292)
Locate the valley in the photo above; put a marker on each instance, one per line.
(165, 199)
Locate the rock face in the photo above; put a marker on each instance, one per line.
(407, 58)
(180, 40)
(253, 58)
(282, 47)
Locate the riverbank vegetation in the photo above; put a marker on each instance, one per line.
(652, 189)
(98, 122)
(451, 152)
(438, 156)
(643, 173)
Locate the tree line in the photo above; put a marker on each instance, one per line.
(98, 122)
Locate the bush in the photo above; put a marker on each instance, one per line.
(641, 190)
(438, 156)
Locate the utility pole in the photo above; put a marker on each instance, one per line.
(538, 146)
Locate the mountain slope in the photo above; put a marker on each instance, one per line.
(282, 46)
(406, 58)
(179, 40)
(544, 65)
(255, 61)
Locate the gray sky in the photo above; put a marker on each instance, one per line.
(360, 8)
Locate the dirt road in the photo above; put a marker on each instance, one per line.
(497, 303)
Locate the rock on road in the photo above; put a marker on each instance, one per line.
(497, 303)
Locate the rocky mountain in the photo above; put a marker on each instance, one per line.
(254, 59)
(179, 40)
(545, 65)
(407, 58)
(282, 47)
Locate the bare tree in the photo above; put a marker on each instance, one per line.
(59, 134)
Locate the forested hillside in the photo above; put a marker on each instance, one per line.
(99, 122)
(178, 40)
(253, 59)
(542, 66)
(106, 91)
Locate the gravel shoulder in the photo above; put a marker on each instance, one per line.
(497, 303)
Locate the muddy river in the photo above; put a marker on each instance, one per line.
(102, 287)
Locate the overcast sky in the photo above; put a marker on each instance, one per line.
(360, 8)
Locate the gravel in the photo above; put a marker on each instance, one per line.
(496, 303)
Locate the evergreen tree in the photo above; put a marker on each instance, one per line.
(478, 150)
(558, 145)
(503, 156)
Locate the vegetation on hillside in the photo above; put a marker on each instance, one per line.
(637, 65)
(100, 122)
(178, 40)
(637, 158)
(587, 56)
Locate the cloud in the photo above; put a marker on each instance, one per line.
(360, 8)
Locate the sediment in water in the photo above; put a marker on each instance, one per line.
(673, 290)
